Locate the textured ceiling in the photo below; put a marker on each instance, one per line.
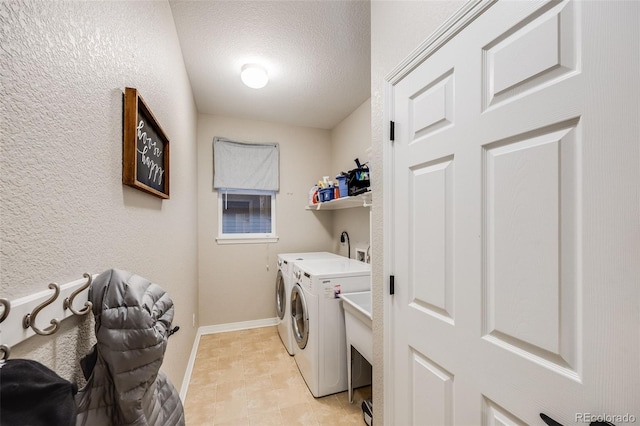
(317, 54)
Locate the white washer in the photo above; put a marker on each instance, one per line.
(284, 284)
(317, 319)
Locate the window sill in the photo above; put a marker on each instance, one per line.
(246, 240)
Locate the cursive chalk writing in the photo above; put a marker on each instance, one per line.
(150, 148)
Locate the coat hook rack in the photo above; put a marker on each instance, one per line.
(68, 302)
(30, 319)
(21, 323)
(6, 352)
(6, 310)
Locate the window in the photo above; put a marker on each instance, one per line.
(246, 177)
(246, 215)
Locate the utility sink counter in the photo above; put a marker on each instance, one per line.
(357, 319)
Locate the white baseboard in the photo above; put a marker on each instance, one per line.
(187, 374)
(235, 326)
(213, 329)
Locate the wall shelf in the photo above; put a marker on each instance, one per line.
(362, 200)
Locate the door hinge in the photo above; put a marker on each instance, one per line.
(392, 284)
(392, 131)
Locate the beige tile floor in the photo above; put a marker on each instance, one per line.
(247, 378)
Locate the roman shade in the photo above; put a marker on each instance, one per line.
(239, 165)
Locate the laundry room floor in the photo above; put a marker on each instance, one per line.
(247, 378)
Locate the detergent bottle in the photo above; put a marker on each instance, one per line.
(313, 195)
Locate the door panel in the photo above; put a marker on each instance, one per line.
(495, 415)
(516, 185)
(537, 50)
(432, 107)
(530, 282)
(432, 391)
(431, 189)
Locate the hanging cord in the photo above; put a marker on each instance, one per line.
(342, 238)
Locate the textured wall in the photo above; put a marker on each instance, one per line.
(397, 28)
(235, 284)
(64, 210)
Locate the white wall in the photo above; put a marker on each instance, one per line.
(237, 281)
(397, 28)
(235, 284)
(64, 209)
(351, 139)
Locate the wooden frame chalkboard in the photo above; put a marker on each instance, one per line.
(145, 148)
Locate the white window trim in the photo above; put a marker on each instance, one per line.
(246, 238)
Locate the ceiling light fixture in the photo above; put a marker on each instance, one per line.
(254, 76)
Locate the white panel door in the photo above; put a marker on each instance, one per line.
(516, 220)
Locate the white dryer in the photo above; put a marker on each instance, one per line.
(284, 284)
(317, 319)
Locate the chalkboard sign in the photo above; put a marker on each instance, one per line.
(145, 148)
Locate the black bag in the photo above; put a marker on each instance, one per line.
(32, 394)
(358, 179)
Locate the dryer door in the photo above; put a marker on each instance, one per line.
(281, 296)
(299, 316)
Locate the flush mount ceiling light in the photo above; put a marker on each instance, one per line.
(254, 76)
